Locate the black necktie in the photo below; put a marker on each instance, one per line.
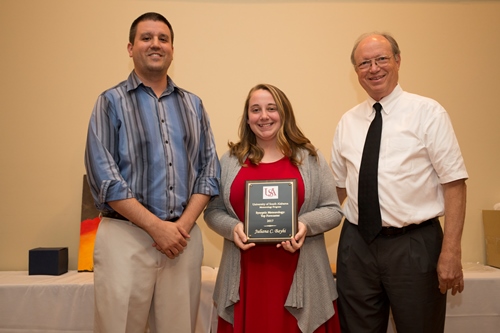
(370, 220)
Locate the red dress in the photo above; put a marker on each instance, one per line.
(266, 271)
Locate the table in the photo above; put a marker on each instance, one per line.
(477, 308)
(55, 304)
(65, 303)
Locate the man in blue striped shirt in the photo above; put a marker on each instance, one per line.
(152, 167)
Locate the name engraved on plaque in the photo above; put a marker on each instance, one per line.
(270, 210)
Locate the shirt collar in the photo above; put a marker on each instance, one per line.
(133, 82)
(388, 101)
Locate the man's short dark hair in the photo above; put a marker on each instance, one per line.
(151, 16)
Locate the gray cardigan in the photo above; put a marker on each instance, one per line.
(313, 289)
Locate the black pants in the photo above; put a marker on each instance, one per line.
(395, 273)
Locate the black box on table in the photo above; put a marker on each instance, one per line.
(48, 261)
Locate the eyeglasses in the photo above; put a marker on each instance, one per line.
(379, 61)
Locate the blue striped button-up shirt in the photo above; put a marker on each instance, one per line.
(157, 150)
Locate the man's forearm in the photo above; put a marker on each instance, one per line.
(135, 212)
(194, 208)
(455, 201)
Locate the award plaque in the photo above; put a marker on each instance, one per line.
(270, 210)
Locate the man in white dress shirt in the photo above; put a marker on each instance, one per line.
(411, 263)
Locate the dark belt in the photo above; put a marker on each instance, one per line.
(115, 215)
(395, 231)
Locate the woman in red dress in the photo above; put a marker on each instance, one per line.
(286, 286)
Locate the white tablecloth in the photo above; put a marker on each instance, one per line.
(55, 304)
(477, 308)
(65, 303)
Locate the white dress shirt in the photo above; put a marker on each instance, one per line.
(419, 152)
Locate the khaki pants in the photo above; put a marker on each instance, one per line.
(133, 281)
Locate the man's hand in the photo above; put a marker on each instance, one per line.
(170, 238)
(450, 274)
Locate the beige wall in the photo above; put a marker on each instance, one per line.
(57, 56)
